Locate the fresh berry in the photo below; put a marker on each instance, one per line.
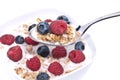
(7, 39)
(78, 28)
(33, 63)
(80, 46)
(55, 68)
(63, 17)
(15, 53)
(48, 20)
(0, 39)
(43, 28)
(29, 41)
(31, 26)
(76, 56)
(19, 39)
(59, 52)
(43, 51)
(43, 76)
(58, 27)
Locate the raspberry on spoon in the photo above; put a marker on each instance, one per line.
(58, 27)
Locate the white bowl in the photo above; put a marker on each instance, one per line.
(89, 51)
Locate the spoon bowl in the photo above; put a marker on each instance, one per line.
(33, 33)
(35, 36)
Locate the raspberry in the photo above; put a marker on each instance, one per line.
(48, 20)
(59, 52)
(58, 27)
(55, 68)
(76, 56)
(15, 53)
(29, 41)
(7, 39)
(33, 63)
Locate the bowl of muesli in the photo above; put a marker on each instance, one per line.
(29, 59)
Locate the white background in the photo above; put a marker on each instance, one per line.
(104, 34)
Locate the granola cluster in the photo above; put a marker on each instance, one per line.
(68, 36)
(25, 74)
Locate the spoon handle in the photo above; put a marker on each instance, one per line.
(84, 28)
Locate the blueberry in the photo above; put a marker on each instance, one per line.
(43, 27)
(43, 76)
(19, 39)
(63, 17)
(80, 46)
(78, 28)
(31, 26)
(43, 51)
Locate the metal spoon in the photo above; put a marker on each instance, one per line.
(85, 27)
(33, 33)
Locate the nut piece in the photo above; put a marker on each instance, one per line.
(29, 48)
(69, 30)
(38, 20)
(18, 70)
(29, 76)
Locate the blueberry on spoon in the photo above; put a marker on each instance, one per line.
(43, 28)
(63, 17)
(31, 26)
